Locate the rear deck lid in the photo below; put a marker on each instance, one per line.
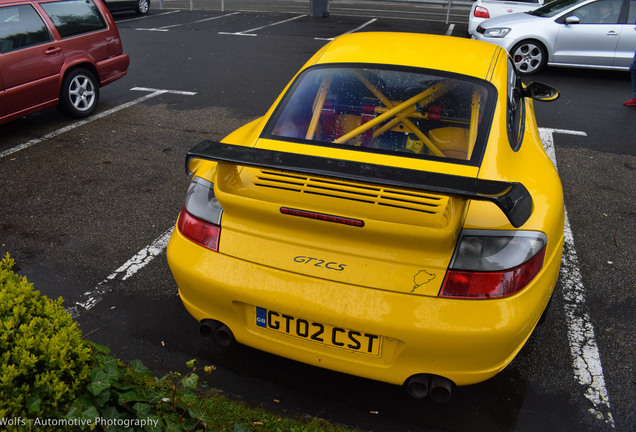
(345, 221)
(362, 175)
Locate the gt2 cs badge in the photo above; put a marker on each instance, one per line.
(316, 262)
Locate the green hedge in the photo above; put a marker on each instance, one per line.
(44, 361)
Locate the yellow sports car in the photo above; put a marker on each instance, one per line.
(393, 216)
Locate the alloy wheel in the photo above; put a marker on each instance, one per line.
(82, 93)
(528, 57)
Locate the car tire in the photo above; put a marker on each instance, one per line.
(529, 57)
(80, 93)
(143, 7)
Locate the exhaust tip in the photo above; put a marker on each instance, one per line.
(418, 386)
(224, 336)
(441, 389)
(217, 332)
(208, 328)
(438, 388)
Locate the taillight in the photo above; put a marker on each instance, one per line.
(481, 12)
(204, 233)
(200, 218)
(494, 264)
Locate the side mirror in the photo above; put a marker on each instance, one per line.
(541, 92)
(572, 20)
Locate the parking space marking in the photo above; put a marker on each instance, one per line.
(168, 27)
(159, 29)
(125, 271)
(249, 32)
(586, 360)
(217, 17)
(381, 13)
(371, 21)
(147, 16)
(155, 92)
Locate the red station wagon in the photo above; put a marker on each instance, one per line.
(56, 53)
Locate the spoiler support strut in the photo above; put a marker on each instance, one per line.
(512, 198)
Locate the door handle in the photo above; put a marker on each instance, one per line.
(612, 33)
(53, 50)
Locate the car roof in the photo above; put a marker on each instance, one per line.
(453, 54)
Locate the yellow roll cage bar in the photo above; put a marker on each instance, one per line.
(401, 112)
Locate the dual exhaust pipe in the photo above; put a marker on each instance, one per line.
(438, 388)
(418, 386)
(216, 331)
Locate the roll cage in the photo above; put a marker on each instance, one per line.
(416, 113)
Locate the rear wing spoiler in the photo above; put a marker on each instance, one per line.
(512, 198)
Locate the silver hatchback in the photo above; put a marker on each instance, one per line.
(576, 33)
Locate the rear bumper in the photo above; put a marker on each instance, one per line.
(112, 69)
(473, 23)
(466, 341)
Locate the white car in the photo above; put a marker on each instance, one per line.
(596, 34)
(485, 9)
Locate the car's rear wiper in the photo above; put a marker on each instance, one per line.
(511, 197)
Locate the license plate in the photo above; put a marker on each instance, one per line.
(346, 339)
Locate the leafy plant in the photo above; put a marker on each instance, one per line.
(43, 359)
(129, 398)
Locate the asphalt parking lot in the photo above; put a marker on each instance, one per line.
(87, 206)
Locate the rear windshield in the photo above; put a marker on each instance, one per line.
(424, 114)
(73, 17)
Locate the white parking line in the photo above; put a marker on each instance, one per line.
(382, 13)
(586, 359)
(249, 32)
(147, 16)
(162, 91)
(128, 269)
(217, 17)
(144, 256)
(371, 21)
(155, 92)
(168, 27)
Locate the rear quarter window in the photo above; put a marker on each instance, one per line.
(74, 17)
(515, 108)
(21, 27)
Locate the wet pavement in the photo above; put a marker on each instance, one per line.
(88, 203)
